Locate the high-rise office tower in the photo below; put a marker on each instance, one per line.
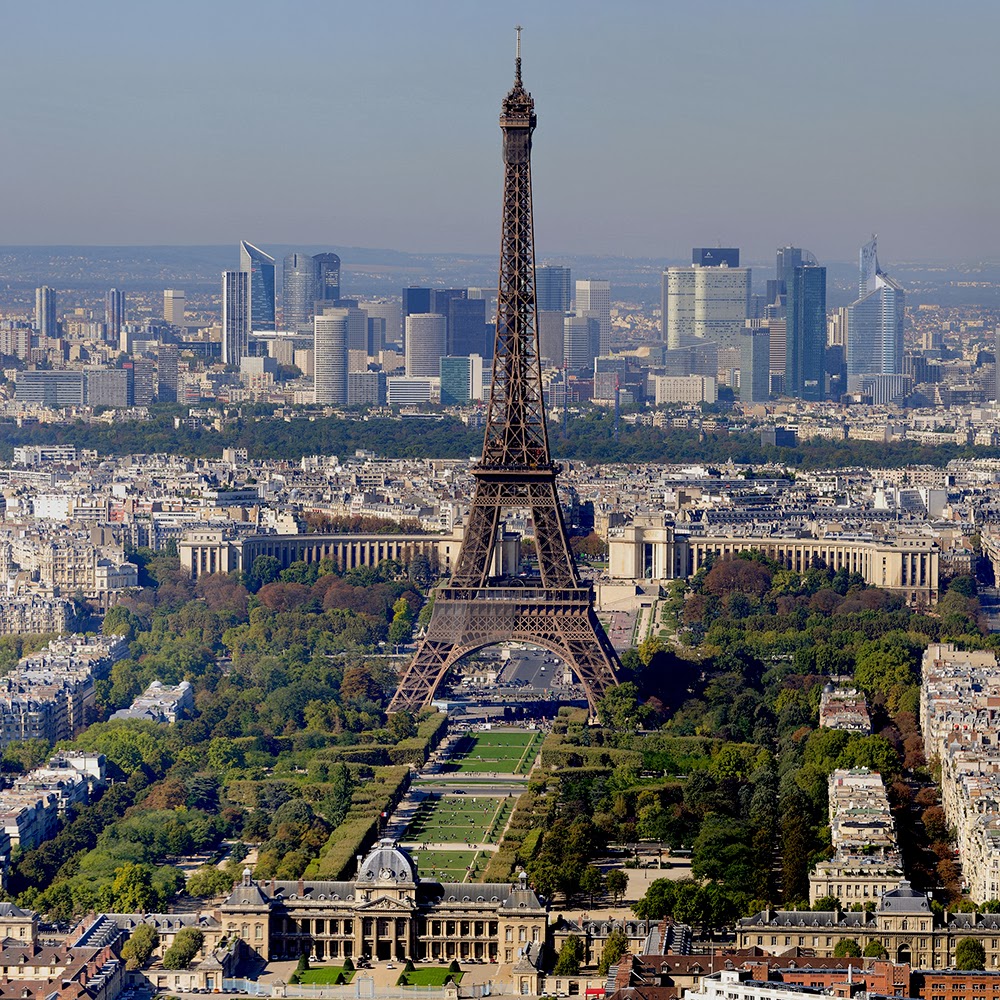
(330, 357)
(389, 329)
(441, 300)
(755, 364)
(868, 268)
(581, 343)
(167, 373)
(553, 288)
(235, 316)
(415, 300)
(461, 380)
(467, 327)
(259, 268)
(357, 334)
(551, 332)
(593, 297)
(715, 256)
(114, 316)
(805, 333)
(173, 306)
(45, 311)
(425, 344)
(299, 291)
(327, 276)
(786, 259)
(874, 322)
(710, 303)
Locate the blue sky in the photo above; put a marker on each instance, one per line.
(662, 125)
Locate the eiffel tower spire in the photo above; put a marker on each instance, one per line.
(477, 608)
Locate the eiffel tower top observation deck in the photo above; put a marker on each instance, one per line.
(552, 609)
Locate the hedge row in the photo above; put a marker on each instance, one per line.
(363, 824)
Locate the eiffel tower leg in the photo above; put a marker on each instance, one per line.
(555, 561)
(475, 557)
(569, 628)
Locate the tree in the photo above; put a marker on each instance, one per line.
(401, 627)
(615, 946)
(265, 570)
(970, 954)
(139, 948)
(826, 903)
(616, 883)
(591, 882)
(208, 881)
(847, 948)
(186, 945)
(132, 889)
(570, 957)
(875, 949)
(454, 967)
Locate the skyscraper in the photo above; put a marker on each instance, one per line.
(415, 300)
(327, 276)
(581, 342)
(173, 306)
(330, 357)
(874, 322)
(299, 291)
(805, 333)
(461, 380)
(45, 311)
(467, 326)
(553, 288)
(259, 268)
(235, 316)
(425, 344)
(167, 373)
(593, 298)
(755, 364)
(114, 316)
(711, 303)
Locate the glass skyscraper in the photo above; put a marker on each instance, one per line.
(553, 288)
(235, 316)
(260, 270)
(874, 322)
(805, 333)
(298, 291)
(327, 276)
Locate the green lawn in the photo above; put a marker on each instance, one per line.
(431, 977)
(469, 819)
(446, 866)
(497, 752)
(325, 975)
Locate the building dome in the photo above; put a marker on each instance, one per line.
(387, 863)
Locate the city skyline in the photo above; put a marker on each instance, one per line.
(729, 124)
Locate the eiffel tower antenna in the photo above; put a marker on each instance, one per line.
(486, 601)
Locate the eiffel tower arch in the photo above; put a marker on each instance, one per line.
(554, 610)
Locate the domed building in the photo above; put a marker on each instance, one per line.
(386, 912)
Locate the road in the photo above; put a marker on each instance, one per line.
(989, 601)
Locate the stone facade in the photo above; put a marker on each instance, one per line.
(387, 912)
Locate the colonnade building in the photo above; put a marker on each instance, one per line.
(387, 913)
(646, 550)
(216, 550)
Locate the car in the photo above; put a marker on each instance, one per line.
(389, 965)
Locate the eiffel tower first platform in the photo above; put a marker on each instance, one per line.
(555, 609)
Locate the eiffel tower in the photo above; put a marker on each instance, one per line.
(554, 610)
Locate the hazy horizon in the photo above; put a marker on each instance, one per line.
(660, 126)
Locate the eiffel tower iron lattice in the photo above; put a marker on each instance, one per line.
(476, 609)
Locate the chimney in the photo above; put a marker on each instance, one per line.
(302, 888)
